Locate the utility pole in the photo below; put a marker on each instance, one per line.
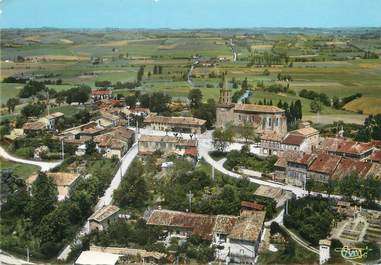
(190, 196)
(27, 254)
(47, 105)
(62, 148)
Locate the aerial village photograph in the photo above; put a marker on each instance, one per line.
(214, 132)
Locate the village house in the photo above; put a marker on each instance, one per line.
(115, 143)
(65, 182)
(148, 144)
(101, 94)
(103, 217)
(264, 118)
(83, 133)
(34, 127)
(110, 118)
(323, 167)
(42, 124)
(300, 140)
(236, 237)
(175, 124)
(297, 170)
(51, 120)
(346, 148)
(14, 134)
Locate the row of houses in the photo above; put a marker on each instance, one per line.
(296, 168)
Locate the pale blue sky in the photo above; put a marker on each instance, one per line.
(189, 13)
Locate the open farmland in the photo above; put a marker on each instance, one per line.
(324, 62)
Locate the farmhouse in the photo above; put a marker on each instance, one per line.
(175, 124)
(51, 120)
(116, 142)
(148, 144)
(102, 218)
(34, 127)
(300, 140)
(65, 182)
(323, 167)
(263, 118)
(297, 169)
(101, 94)
(236, 237)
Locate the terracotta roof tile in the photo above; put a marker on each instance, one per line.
(248, 228)
(325, 163)
(174, 120)
(257, 108)
(292, 139)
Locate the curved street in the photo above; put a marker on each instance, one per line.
(45, 166)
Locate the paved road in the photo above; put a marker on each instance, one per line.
(6, 259)
(45, 166)
(125, 163)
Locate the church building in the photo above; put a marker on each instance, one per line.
(264, 118)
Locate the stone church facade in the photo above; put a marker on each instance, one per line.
(264, 118)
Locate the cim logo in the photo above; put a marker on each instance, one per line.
(353, 253)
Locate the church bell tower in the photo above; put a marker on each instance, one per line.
(225, 92)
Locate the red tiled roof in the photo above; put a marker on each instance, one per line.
(350, 166)
(200, 224)
(344, 146)
(376, 156)
(35, 125)
(191, 152)
(257, 108)
(293, 139)
(252, 205)
(305, 159)
(325, 163)
(101, 92)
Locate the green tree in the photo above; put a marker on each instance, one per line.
(298, 110)
(370, 189)
(247, 131)
(348, 185)
(133, 191)
(195, 98)
(140, 74)
(131, 101)
(44, 197)
(90, 147)
(206, 111)
(80, 94)
(33, 110)
(310, 185)
(222, 137)
(316, 106)
(12, 103)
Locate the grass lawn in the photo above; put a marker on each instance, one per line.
(8, 90)
(301, 256)
(22, 170)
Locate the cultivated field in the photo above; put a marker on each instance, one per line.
(325, 62)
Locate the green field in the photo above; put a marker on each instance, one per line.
(325, 62)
